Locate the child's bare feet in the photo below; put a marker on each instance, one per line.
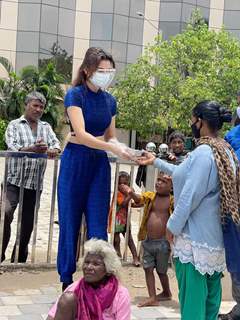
(164, 296)
(150, 302)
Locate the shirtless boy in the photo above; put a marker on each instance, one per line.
(152, 233)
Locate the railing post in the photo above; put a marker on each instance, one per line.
(3, 205)
(129, 215)
(40, 164)
(20, 207)
(51, 222)
(114, 205)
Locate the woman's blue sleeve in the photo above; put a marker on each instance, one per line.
(114, 107)
(73, 98)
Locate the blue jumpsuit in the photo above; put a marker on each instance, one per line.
(84, 179)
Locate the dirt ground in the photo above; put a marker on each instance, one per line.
(131, 277)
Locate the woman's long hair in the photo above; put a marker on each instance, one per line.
(90, 64)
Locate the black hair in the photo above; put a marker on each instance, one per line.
(213, 113)
(176, 135)
(124, 174)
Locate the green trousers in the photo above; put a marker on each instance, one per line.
(199, 295)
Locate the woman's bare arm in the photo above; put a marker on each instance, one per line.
(76, 118)
(111, 131)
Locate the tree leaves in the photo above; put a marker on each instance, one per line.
(162, 87)
(14, 89)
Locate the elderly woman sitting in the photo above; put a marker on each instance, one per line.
(98, 295)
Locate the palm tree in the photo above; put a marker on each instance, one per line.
(14, 89)
(47, 81)
(12, 93)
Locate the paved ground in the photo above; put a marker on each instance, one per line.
(33, 304)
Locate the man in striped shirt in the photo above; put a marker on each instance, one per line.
(29, 134)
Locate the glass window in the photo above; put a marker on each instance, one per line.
(28, 41)
(205, 13)
(232, 5)
(183, 26)
(101, 26)
(170, 11)
(104, 6)
(51, 2)
(66, 24)
(135, 35)
(28, 17)
(24, 59)
(49, 19)
(190, 1)
(119, 51)
(203, 3)
(66, 43)
(170, 29)
(70, 4)
(137, 5)
(46, 42)
(231, 19)
(120, 67)
(187, 10)
(105, 45)
(179, 1)
(122, 7)
(133, 52)
(120, 28)
(235, 33)
(30, 1)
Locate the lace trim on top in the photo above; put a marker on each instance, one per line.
(205, 259)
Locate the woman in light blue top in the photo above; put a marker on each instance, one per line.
(202, 200)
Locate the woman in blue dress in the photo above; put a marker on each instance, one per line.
(85, 177)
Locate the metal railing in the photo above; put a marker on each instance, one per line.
(41, 160)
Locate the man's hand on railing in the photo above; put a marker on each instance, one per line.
(38, 147)
(53, 153)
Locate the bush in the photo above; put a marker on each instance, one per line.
(3, 126)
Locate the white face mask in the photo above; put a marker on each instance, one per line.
(102, 79)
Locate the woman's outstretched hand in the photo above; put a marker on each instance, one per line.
(120, 150)
(146, 159)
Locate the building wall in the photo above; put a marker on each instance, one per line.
(29, 28)
(8, 31)
(41, 23)
(231, 17)
(174, 15)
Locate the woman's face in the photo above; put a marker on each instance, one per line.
(94, 269)
(103, 76)
(104, 65)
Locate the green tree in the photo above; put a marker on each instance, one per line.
(160, 90)
(14, 89)
(62, 61)
(3, 127)
(12, 93)
(49, 82)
